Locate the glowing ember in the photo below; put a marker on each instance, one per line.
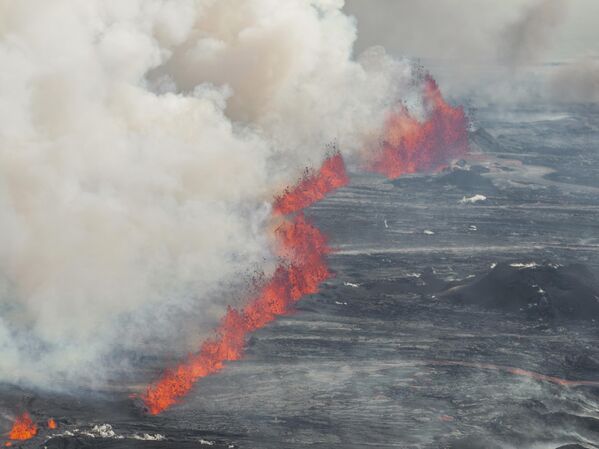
(303, 248)
(51, 424)
(23, 428)
(313, 187)
(410, 146)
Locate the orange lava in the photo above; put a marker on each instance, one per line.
(313, 187)
(302, 248)
(411, 146)
(51, 424)
(23, 428)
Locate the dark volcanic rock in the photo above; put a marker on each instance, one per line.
(467, 180)
(66, 443)
(581, 362)
(485, 141)
(456, 178)
(541, 291)
(427, 283)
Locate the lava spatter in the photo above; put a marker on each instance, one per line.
(313, 187)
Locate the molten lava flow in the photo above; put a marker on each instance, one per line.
(410, 145)
(51, 424)
(313, 187)
(302, 248)
(23, 428)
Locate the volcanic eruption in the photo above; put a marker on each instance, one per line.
(246, 224)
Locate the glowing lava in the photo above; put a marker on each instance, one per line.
(304, 268)
(23, 428)
(313, 187)
(410, 145)
(302, 248)
(51, 424)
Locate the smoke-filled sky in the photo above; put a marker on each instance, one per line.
(476, 29)
(489, 49)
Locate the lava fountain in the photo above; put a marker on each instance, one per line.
(302, 249)
(410, 145)
(22, 429)
(313, 187)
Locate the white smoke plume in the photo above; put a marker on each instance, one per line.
(141, 143)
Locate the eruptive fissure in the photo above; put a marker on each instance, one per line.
(302, 249)
(411, 146)
(408, 146)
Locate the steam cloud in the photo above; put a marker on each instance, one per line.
(141, 143)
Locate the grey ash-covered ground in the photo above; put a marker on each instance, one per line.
(449, 324)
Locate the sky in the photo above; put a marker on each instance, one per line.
(471, 30)
(497, 51)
